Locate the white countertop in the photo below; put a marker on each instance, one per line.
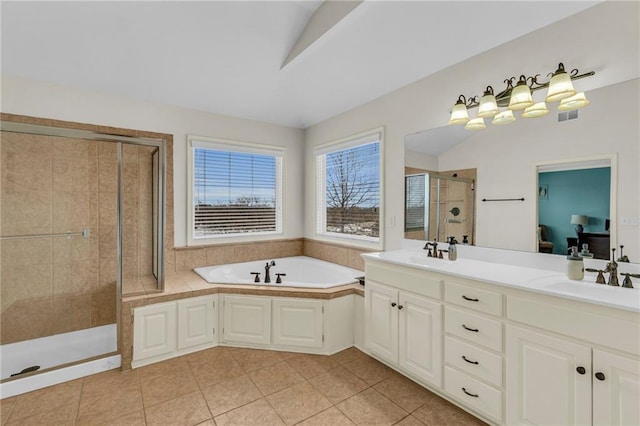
(544, 281)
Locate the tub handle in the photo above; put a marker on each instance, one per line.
(257, 274)
(278, 279)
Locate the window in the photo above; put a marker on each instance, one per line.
(349, 189)
(416, 199)
(236, 189)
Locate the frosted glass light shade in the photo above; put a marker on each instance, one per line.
(520, 97)
(488, 104)
(459, 114)
(536, 110)
(560, 87)
(576, 101)
(505, 117)
(476, 124)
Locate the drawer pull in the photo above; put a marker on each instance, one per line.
(474, 395)
(393, 304)
(470, 362)
(600, 376)
(475, 330)
(581, 370)
(400, 306)
(470, 299)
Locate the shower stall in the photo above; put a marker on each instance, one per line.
(81, 224)
(438, 207)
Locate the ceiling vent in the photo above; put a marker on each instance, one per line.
(567, 115)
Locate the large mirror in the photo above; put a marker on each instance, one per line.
(537, 203)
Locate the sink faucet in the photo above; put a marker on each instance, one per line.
(267, 277)
(428, 246)
(612, 269)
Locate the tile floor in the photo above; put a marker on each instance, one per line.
(233, 386)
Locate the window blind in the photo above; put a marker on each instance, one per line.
(235, 192)
(415, 200)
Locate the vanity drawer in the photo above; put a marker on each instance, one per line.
(471, 359)
(474, 393)
(477, 299)
(475, 328)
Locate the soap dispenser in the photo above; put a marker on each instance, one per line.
(575, 265)
(453, 252)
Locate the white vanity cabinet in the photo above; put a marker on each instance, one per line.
(404, 327)
(169, 329)
(511, 355)
(560, 374)
(474, 346)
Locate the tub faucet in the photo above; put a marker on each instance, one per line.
(267, 277)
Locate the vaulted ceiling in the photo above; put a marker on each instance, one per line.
(226, 57)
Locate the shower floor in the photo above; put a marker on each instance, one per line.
(240, 386)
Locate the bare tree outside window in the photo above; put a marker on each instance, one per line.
(353, 191)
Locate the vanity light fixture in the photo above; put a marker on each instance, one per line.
(519, 97)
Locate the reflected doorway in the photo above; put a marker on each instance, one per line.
(575, 207)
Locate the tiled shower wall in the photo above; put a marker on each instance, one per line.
(54, 185)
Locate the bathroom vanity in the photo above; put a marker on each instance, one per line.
(510, 344)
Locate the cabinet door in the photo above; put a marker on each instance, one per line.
(420, 337)
(196, 321)
(247, 319)
(297, 322)
(616, 390)
(544, 386)
(154, 330)
(381, 320)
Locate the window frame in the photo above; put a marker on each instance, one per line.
(195, 141)
(352, 141)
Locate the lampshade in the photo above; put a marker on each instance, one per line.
(459, 113)
(579, 219)
(476, 124)
(505, 117)
(488, 104)
(560, 86)
(576, 101)
(520, 96)
(536, 110)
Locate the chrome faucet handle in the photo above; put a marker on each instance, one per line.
(600, 277)
(626, 283)
(257, 279)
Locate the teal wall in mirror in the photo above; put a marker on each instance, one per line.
(573, 192)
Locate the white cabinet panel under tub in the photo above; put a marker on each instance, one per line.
(291, 324)
(247, 319)
(154, 330)
(165, 330)
(298, 322)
